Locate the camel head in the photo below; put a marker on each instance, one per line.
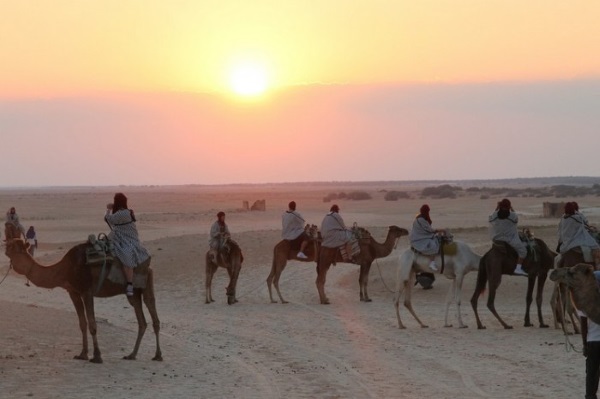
(398, 231)
(17, 248)
(576, 277)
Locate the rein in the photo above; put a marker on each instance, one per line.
(7, 271)
(568, 344)
(379, 270)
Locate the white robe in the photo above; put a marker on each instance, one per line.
(423, 237)
(572, 232)
(292, 225)
(506, 230)
(334, 231)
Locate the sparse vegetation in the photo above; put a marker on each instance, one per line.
(396, 195)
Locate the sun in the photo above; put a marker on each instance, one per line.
(248, 79)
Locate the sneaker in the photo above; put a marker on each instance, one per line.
(433, 266)
(301, 255)
(129, 290)
(519, 271)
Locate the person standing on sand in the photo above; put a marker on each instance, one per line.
(32, 240)
(590, 335)
(124, 237)
(503, 227)
(31, 237)
(293, 229)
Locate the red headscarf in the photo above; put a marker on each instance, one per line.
(570, 208)
(424, 213)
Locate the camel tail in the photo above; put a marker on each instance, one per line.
(481, 276)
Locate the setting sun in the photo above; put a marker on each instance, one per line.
(248, 79)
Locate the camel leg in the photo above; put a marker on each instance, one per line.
(539, 298)
(274, 279)
(150, 301)
(492, 308)
(529, 299)
(276, 283)
(457, 297)
(88, 303)
(233, 277)
(322, 269)
(210, 271)
(136, 302)
(363, 281)
(78, 303)
(401, 286)
(474, 300)
(555, 306)
(270, 281)
(408, 300)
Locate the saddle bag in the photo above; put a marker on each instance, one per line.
(355, 250)
(98, 252)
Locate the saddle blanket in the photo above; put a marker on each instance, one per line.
(355, 250)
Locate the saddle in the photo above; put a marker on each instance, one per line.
(98, 253)
(360, 236)
(526, 237)
(355, 250)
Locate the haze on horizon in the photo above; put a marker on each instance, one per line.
(139, 92)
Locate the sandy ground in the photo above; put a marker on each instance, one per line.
(255, 349)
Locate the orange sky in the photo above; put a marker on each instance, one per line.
(68, 46)
(357, 90)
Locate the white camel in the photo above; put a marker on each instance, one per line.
(456, 266)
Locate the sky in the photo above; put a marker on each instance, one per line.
(140, 92)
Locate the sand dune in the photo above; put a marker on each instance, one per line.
(255, 349)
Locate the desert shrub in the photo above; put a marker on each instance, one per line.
(329, 197)
(359, 195)
(443, 191)
(484, 196)
(396, 195)
(342, 195)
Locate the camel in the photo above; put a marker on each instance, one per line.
(565, 307)
(82, 283)
(232, 261)
(283, 252)
(455, 268)
(369, 251)
(583, 287)
(501, 259)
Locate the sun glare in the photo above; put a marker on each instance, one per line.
(248, 80)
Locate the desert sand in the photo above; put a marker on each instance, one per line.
(256, 349)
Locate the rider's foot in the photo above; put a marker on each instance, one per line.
(519, 271)
(129, 290)
(433, 266)
(301, 255)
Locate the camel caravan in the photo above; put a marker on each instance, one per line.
(117, 264)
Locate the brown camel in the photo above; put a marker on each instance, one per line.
(283, 252)
(82, 284)
(231, 260)
(501, 259)
(369, 251)
(565, 307)
(583, 287)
